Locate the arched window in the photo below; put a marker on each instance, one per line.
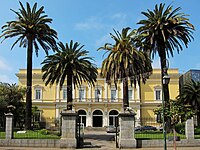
(82, 116)
(113, 117)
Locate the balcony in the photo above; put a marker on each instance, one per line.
(100, 100)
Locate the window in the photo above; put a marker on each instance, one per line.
(38, 93)
(81, 94)
(97, 94)
(130, 94)
(65, 93)
(158, 93)
(113, 94)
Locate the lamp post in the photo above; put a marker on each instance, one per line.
(165, 82)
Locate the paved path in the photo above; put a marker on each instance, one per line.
(99, 140)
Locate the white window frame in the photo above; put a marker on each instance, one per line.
(157, 89)
(63, 92)
(84, 94)
(100, 95)
(38, 88)
(131, 98)
(113, 89)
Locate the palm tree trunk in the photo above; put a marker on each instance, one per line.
(166, 105)
(29, 85)
(125, 94)
(69, 91)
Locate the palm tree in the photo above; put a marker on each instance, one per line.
(163, 31)
(71, 61)
(32, 29)
(125, 61)
(191, 96)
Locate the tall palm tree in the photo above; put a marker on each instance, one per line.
(163, 31)
(32, 29)
(191, 96)
(125, 61)
(70, 61)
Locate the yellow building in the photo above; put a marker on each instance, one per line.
(98, 106)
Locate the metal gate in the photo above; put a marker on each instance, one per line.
(80, 132)
(117, 131)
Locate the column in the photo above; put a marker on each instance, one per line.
(57, 93)
(138, 92)
(105, 91)
(122, 92)
(126, 134)
(9, 126)
(137, 117)
(57, 111)
(69, 126)
(89, 117)
(57, 100)
(73, 91)
(189, 129)
(89, 94)
(105, 116)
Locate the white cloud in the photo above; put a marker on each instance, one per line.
(105, 39)
(95, 22)
(6, 79)
(4, 66)
(120, 16)
(91, 23)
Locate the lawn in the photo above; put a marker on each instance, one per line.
(154, 135)
(32, 135)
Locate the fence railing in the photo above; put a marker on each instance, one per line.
(48, 129)
(2, 133)
(151, 129)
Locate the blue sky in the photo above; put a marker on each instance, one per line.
(89, 22)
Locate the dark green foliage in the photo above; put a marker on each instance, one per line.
(32, 30)
(180, 128)
(197, 131)
(70, 62)
(190, 98)
(43, 131)
(163, 31)
(125, 61)
(12, 95)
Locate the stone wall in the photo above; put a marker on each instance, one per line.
(160, 143)
(55, 143)
(30, 143)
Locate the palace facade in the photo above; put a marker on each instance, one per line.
(98, 106)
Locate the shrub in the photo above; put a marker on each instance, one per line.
(180, 128)
(44, 131)
(197, 130)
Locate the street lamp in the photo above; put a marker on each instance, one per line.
(166, 79)
(165, 82)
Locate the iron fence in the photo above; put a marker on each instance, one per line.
(2, 133)
(46, 129)
(151, 129)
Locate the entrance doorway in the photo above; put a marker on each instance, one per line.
(97, 118)
(82, 115)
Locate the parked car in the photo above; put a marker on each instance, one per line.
(112, 129)
(138, 128)
(145, 128)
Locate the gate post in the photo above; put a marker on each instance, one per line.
(126, 134)
(189, 129)
(68, 136)
(9, 126)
